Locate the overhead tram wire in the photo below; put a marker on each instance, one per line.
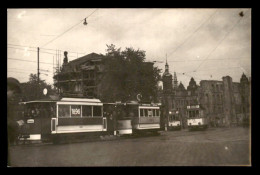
(23, 46)
(27, 60)
(67, 30)
(37, 51)
(219, 43)
(228, 58)
(192, 33)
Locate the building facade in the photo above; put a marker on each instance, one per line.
(80, 77)
(103, 77)
(226, 102)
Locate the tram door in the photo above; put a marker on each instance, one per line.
(109, 113)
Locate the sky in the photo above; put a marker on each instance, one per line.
(205, 44)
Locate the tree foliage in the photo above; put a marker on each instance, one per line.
(31, 90)
(127, 74)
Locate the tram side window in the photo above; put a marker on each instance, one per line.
(145, 112)
(86, 111)
(157, 112)
(64, 111)
(142, 113)
(97, 111)
(154, 113)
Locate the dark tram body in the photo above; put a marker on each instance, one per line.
(47, 119)
(50, 119)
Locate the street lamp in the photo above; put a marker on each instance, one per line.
(85, 22)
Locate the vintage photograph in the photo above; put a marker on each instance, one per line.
(113, 87)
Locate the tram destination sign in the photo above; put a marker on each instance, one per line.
(75, 111)
(193, 107)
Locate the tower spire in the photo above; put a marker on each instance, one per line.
(166, 66)
(175, 82)
(166, 59)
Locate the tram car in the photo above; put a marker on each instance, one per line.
(174, 121)
(55, 119)
(50, 119)
(196, 117)
(134, 118)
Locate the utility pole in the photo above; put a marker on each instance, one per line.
(38, 70)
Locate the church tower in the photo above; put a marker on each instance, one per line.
(167, 79)
(175, 82)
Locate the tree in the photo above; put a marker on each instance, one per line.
(31, 90)
(127, 74)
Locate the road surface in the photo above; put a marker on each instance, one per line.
(213, 147)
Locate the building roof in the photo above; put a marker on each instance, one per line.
(85, 58)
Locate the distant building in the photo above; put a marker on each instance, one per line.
(80, 77)
(88, 76)
(225, 102)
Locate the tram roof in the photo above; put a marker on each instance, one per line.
(134, 103)
(81, 100)
(49, 100)
(39, 101)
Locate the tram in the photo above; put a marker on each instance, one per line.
(134, 118)
(55, 119)
(174, 120)
(48, 119)
(196, 117)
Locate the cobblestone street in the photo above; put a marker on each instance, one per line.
(213, 147)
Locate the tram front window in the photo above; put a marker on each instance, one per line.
(197, 113)
(191, 114)
(150, 113)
